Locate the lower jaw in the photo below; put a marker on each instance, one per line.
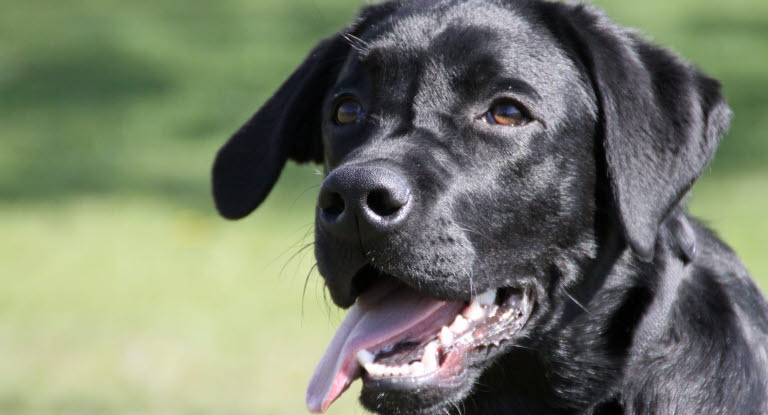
(423, 395)
(449, 383)
(386, 398)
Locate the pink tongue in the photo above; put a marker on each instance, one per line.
(384, 315)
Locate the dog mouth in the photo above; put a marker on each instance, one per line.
(397, 339)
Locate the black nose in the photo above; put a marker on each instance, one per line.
(371, 200)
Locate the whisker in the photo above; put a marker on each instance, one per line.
(465, 228)
(577, 303)
(355, 42)
(304, 290)
(328, 308)
(295, 254)
(360, 41)
(285, 251)
(315, 186)
(523, 347)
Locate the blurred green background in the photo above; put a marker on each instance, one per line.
(121, 291)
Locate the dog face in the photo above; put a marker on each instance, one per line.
(471, 136)
(478, 156)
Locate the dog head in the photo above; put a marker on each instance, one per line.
(478, 154)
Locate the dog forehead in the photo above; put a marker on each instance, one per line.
(456, 29)
(472, 39)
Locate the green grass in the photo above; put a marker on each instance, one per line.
(127, 305)
(121, 292)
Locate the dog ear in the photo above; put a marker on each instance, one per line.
(286, 127)
(661, 120)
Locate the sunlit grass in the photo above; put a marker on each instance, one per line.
(123, 305)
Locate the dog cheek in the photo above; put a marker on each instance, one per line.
(436, 255)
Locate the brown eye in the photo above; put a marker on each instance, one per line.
(348, 111)
(506, 113)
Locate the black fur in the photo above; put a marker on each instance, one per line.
(638, 308)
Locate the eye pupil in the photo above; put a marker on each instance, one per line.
(507, 114)
(348, 112)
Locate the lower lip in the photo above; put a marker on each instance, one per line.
(447, 376)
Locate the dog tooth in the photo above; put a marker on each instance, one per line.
(474, 311)
(417, 368)
(446, 337)
(373, 369)
(494, 309)
(381, 370)
(430, 366)
(430, 359)
(459, 325)
(364, 357)
(486, 298)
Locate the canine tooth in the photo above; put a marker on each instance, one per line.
(459, 325)
(430, 365)
(364, 357)
(494, 310)
(474, 311)
(446, 337)
(430, 359)
(486, 298)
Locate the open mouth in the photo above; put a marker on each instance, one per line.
(397, 339)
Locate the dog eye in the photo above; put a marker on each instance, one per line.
(506, 113)
(348, 111)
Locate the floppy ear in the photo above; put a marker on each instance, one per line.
(661, 122)
(287, 126)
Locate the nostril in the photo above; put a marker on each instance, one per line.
(362, 202)
(332, 204)
(383, 203)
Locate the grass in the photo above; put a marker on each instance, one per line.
(121, 292)
(126, 305)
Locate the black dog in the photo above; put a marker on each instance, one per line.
(503, 211)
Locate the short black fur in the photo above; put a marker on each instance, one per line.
(638, 307)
